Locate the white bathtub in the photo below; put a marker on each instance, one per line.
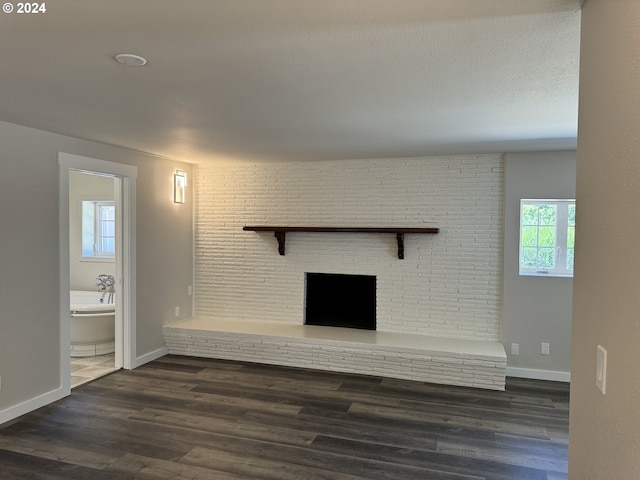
(92, 324)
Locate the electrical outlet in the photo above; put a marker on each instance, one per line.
(601, 369)
(515, 349)
(190, 290)
(177, 311)
(544, 348)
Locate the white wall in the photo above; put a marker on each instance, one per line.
(83, 186)
(29, 259)
(605, 429)
(447, 285)
(536, 309)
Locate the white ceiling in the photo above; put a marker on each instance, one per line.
(297, 79)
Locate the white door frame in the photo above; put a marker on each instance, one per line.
(125, 186)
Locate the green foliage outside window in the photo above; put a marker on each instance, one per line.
(538, 236)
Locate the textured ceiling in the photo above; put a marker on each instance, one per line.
(297, 79)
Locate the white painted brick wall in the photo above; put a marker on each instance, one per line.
(361, 358)
(448, 285)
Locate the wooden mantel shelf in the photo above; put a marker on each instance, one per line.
(280, 232)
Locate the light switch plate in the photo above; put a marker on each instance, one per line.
(601, 369)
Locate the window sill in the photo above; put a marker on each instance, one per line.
(98, 259)
(550, 274)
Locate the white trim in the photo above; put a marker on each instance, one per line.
(125, 191)
(64, 275)
(550, 274)
(93, 165)
(128, 249)
(151, 356)
(33, 403)
(550, 375)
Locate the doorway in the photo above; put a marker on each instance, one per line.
(92, 265)
(121, 266)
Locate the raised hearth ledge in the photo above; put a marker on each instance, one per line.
(406, 356)
(280, 232)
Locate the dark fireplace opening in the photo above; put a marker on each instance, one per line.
(336, 300)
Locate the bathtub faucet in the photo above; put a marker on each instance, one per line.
(105, 284)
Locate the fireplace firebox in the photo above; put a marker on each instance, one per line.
(338, 300)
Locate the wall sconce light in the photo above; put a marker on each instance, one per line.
(179, 186)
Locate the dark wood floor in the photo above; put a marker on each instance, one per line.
(188, 418)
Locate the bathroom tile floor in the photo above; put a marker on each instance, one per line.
(85, 369)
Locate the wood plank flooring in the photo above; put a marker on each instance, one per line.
(190, 418)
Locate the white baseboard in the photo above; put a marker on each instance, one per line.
(149, 357)
(539, 374)
(32, 404)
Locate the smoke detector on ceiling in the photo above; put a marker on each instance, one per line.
(130, 59)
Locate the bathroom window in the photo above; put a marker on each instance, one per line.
(98, 229)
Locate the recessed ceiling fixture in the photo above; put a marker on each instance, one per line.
(130, 59)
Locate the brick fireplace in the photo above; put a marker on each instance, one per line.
(447, 285)
(437, 306)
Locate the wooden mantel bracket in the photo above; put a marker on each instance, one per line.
(281, 236)
(400, 237)
(281, 232)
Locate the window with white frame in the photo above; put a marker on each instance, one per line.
(98, 229)
(547, 237)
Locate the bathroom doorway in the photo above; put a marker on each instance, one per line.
(97, 261)
(92, 273)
